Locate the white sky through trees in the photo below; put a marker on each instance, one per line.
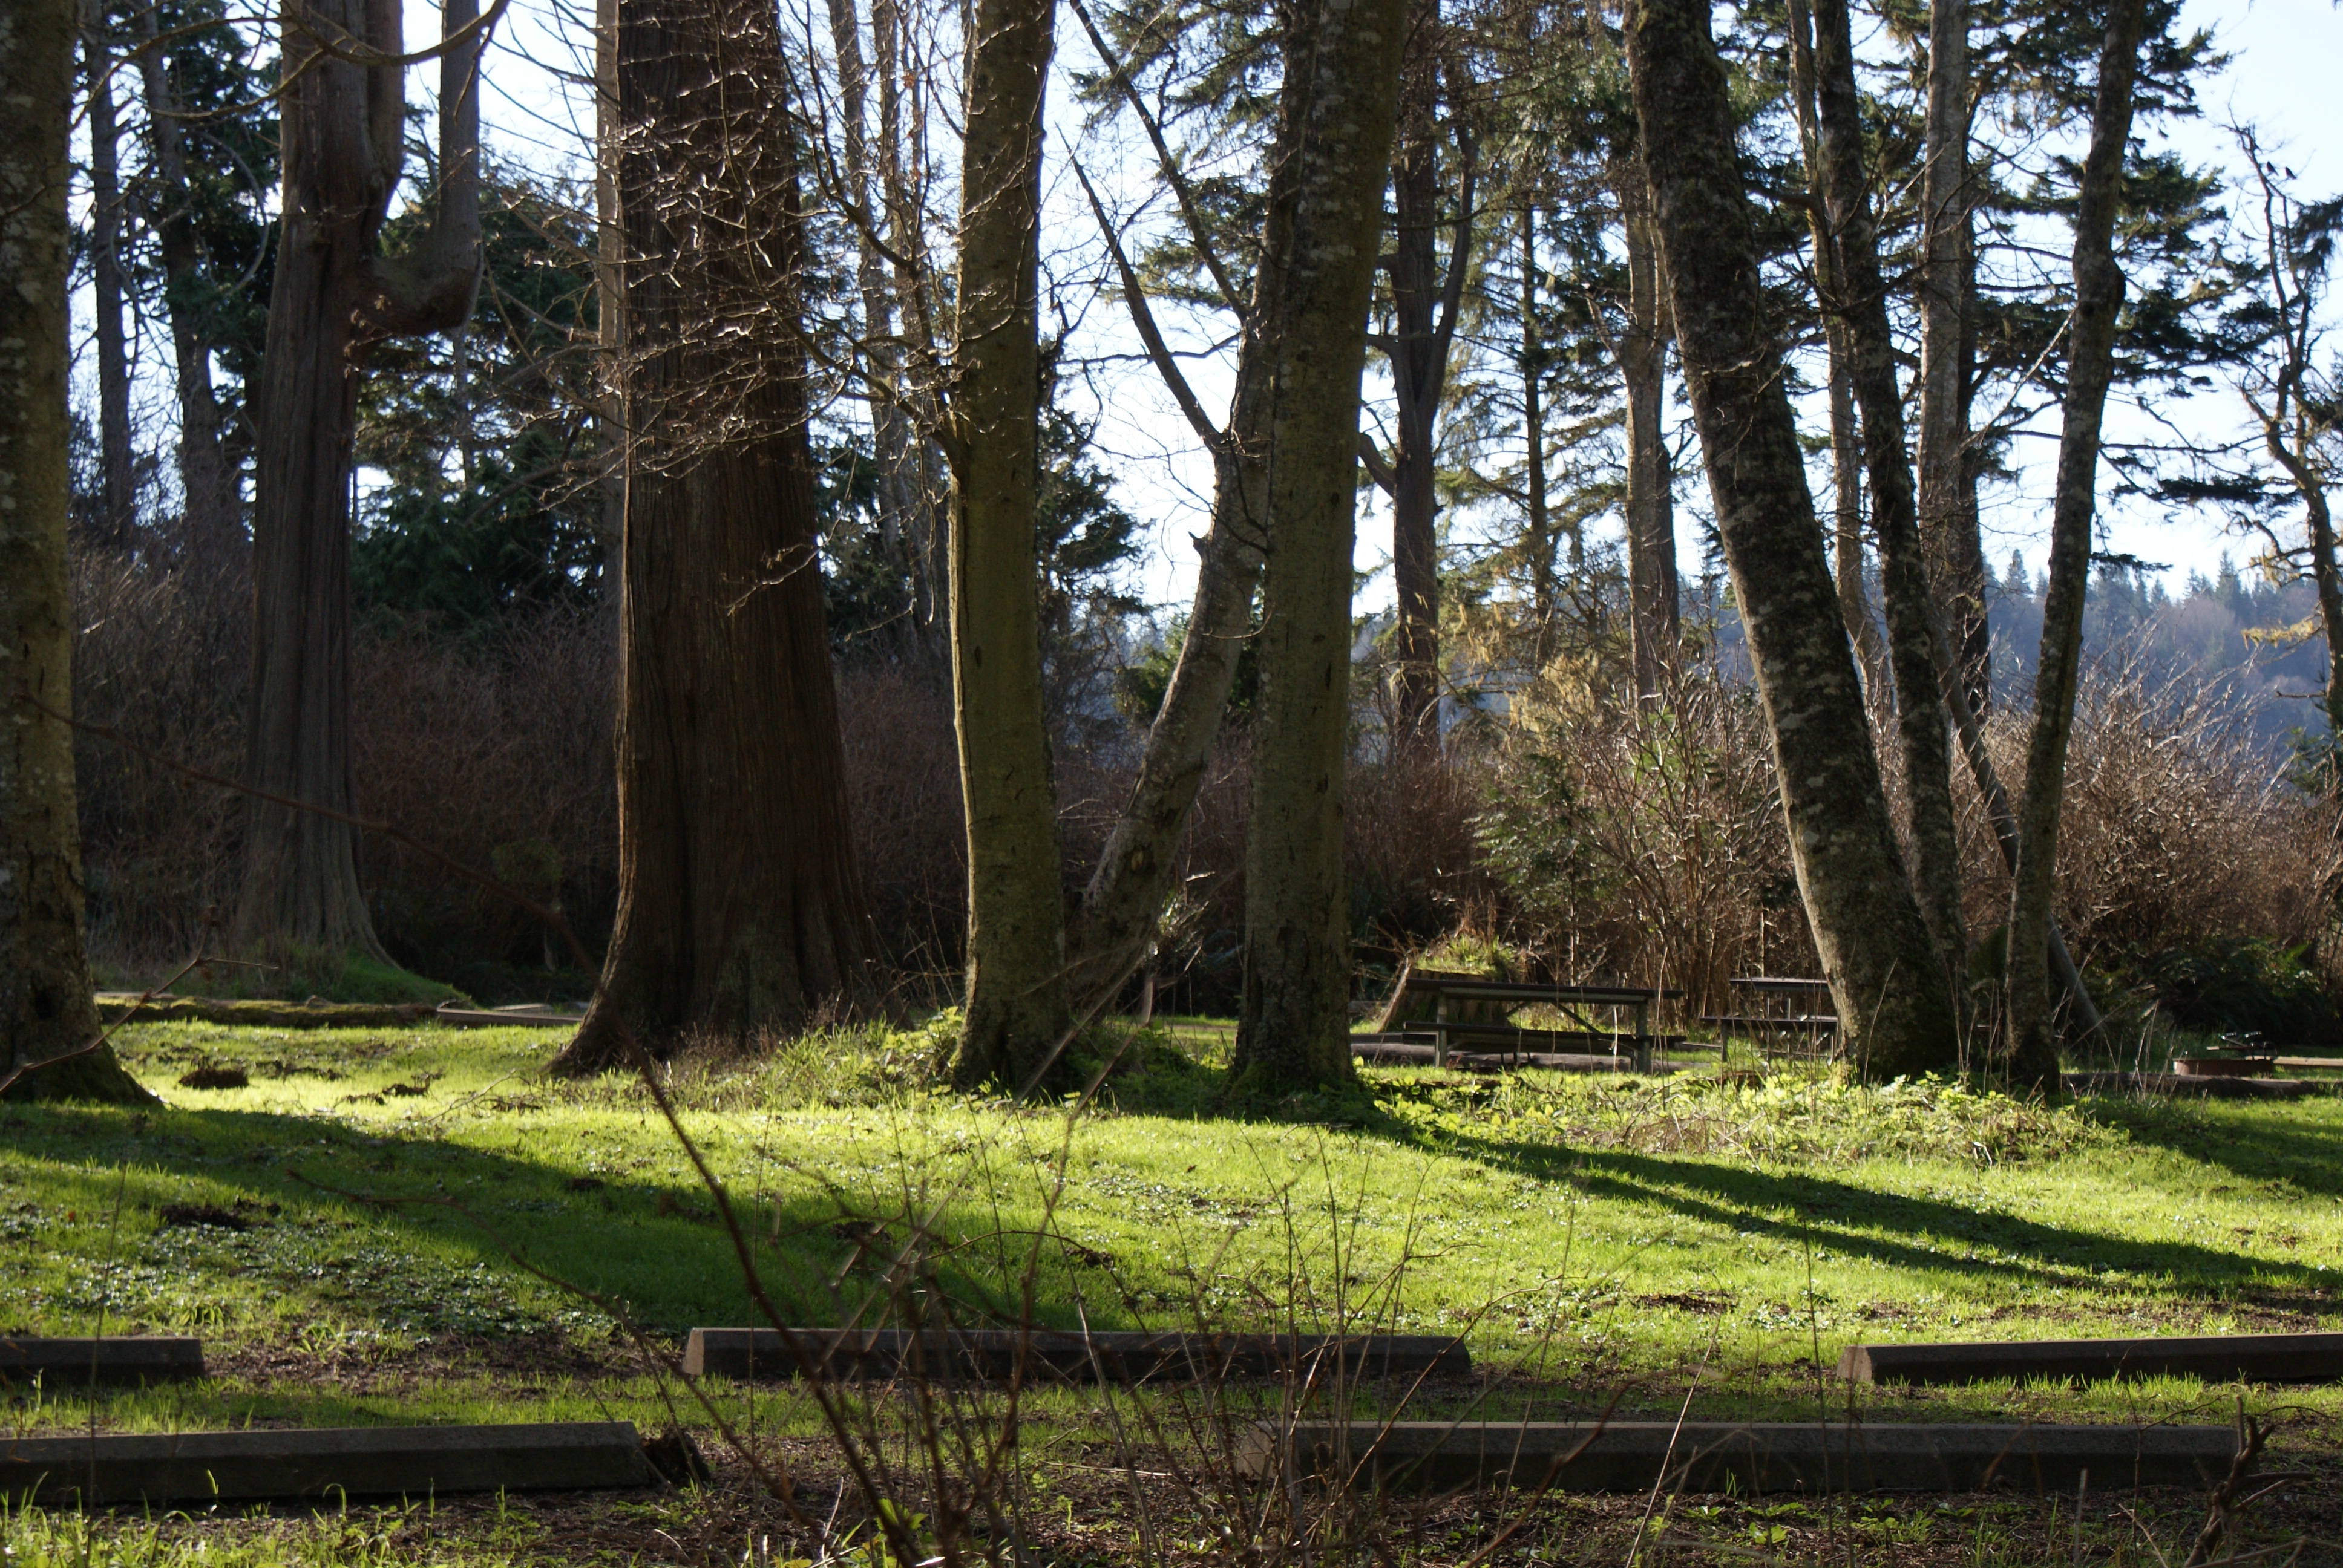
(537, 110)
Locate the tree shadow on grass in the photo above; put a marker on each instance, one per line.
(2298, 1143)
(1801, 1208)
(301, 1204)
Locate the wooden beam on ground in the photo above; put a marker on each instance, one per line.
(2214, 1357)
(118, 1361)
(178, 1469)
(1115, 1356)
(114, 1006)
(1746, 1457)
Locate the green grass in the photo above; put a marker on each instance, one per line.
(353, 1236)
(1587, 1231)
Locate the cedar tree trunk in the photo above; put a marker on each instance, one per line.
(2090, 366)
(46, 1011)
(1884, 979)
(342, 130)
(1017, 1002)
(739, 905)
(1340, 92)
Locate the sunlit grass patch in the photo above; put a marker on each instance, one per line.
(365, 1214)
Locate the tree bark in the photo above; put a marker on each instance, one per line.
(2033, 1058)
(740, 908)
(1862, 305)
(1846, 457)
(909, 516)
(118, 524)
(1116, 921)
(1425, 298)
(1894, 1012)
(342, 125)
(211, 527)
(1654, 618)
(47, 1009)
(1124, 897)
(1534, 474)
(1016, 1006)
(1341, 91)
(1948, 528)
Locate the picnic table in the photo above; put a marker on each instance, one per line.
(1470, 1008)
(1777, 1008)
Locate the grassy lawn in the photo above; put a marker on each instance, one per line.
(354, 1233)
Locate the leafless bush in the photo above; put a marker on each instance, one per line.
(1645, 844)
(165, 657)
(902, 777)
(488, 750)
(2178, 824)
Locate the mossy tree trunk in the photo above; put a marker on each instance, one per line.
(2032, 1047)
(741, 907)
(1861, 306)
(47, 1009)
(1341, 93)
(1895, 1012)
(1016, 1006)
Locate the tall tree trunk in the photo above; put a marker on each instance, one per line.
(609, 313)
(1947, 527)
(1425, 300)
(1534, 476)
(1341, 91)
(1017, 1007)
(117, 487)
(1884, 979)
(2328, 579)
(1921, 723)
(1124, 897)
(1846, 458)
(1976, 625)
(1116, 921)
(1846, 514)
(46, 1011)
(2090, 365)
(904, 481)
(1654, 616)
(211, 527)
(342, 129)
(739, 905)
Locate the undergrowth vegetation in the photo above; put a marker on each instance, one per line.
(1587, 840)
